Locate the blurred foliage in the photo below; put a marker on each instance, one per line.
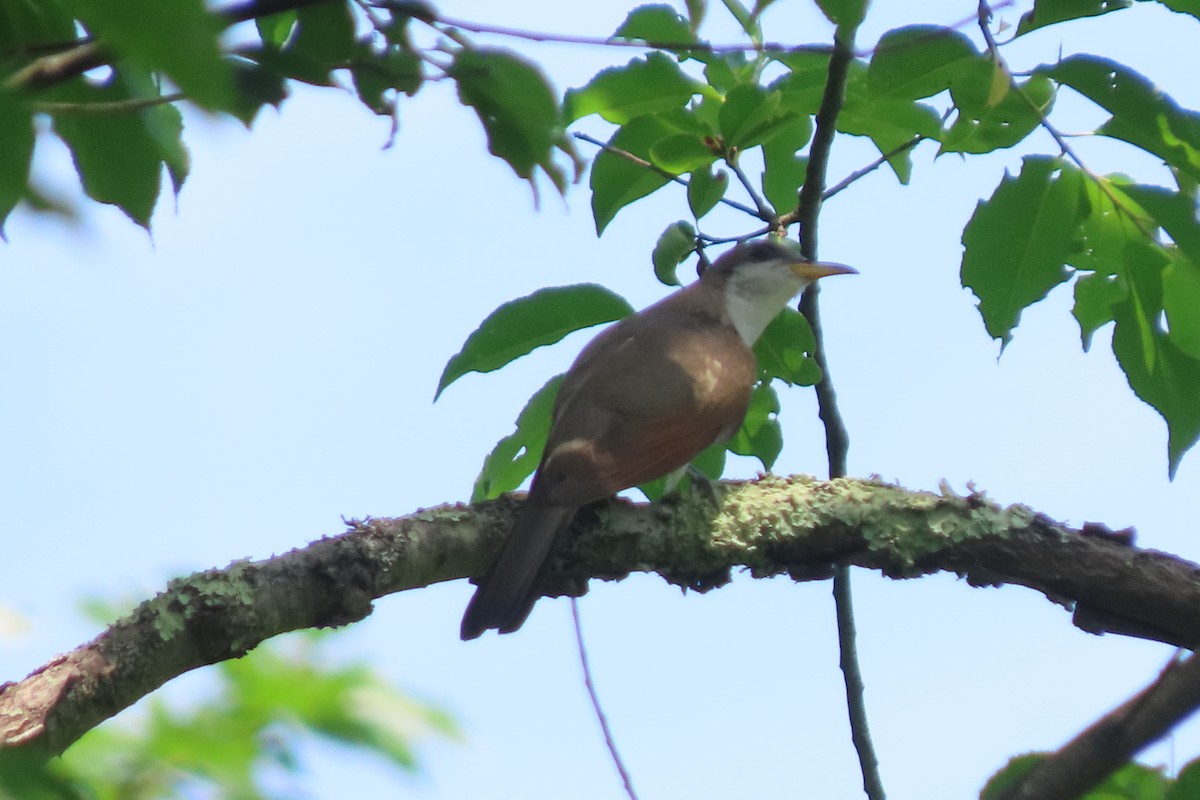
(236, 741)
(1131, 782)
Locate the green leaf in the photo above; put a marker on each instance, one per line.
(520, 326)
(325, 33)
(681, 152)
(1105, 230)
(844, 13)
(375, 73)
(656, 24)
(783, 351)
(1049, 12)
(256, 86)
(119, 157)
(1187, 783)
(1181, 301)
(1017, 241)
(1004, 781)
(1142, 114)
(751, 115)
(1159, 372)
(921, 60)
(643, 86)
(710, 462)
(761, 435)
(1095, 296)
(516, 456)
(183, 44)
(784, 170)
(705, 189)
(981, 127)
(675, 244)
(1173, 211)
(1191, 7)
(745, 18)
(517, 107)
(615, 180)
(16, 151)
(275, 29)
(697, 9)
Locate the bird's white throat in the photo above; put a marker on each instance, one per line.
(753, 297)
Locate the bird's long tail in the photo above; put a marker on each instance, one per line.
(507, 594)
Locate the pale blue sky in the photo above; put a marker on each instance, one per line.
(265, 363)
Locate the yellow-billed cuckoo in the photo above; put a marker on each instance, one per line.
(641, 401)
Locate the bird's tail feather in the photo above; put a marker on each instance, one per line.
(507, 594)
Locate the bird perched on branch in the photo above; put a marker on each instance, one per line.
(643, 399)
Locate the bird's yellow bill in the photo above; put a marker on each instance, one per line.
(811, 270)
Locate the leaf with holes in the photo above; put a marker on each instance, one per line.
(516, 456)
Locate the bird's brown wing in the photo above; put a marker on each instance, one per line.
(641, 406)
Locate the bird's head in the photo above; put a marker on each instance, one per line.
(758, 279)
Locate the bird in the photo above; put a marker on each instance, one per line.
(644, 398)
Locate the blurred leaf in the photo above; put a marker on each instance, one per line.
(1017, 242)
(119, 157)
(1173, 212)
(16, 151)
(921, 60)
(643, 86)
(615, 180)
(697, 9)
(655, 24)
(747, 20)
(1095, 296)
(844, 13)
(325, 33)
(761, 435)
(375, 73)
(705, 189)
(982, 127)
(1191, 7)
(516, 456)
(752, 115)
(23, 23)
(710, 463)
(518, 110)
(784, 170)
(1187, 783)
(681, 152)
(1004, 781)
(783, 350)
(521, 326)
(183, 45)
(256, 86)
(674, 245)
(26, 776)
(1049, 12)
(1159, 372)
(274, 29)
(1142, 114)
(265, 702)
(1181, 301)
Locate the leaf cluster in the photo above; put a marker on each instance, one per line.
(264, 705)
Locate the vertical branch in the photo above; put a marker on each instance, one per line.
(837, 441)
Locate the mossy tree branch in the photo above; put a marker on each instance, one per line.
(772, 526)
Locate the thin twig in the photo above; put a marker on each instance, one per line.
(641, 162)
(837, 441)
(764, 212)
(858, 174)
(591, 690)
(114, 107)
